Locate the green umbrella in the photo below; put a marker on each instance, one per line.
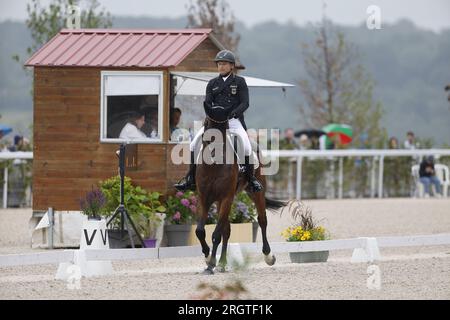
(343, 131)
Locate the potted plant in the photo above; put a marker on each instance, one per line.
(93, 205)
(181, 210)
(148, 219)
(306, 228)
(140, 204)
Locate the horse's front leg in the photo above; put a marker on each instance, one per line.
(200, 230)
(224, 211)
(201, 236)
(223, 256)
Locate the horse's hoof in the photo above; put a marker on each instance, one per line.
(221, 269)
(270, 259)
(208, 271)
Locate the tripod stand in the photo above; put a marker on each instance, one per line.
(124, 216)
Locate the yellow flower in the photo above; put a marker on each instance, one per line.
(307, 235)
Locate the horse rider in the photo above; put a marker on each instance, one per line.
(229, 91)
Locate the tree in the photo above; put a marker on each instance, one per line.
(45, 22)
(338, 89)
(214, 14)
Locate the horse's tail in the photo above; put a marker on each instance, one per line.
(273, 204)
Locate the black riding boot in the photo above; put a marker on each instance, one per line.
(188, 182)
(255, 185)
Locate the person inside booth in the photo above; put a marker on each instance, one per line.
(175, 116)
(132, 129)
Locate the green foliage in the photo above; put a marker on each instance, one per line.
(141, 205)
(181, 208)
(243, 210)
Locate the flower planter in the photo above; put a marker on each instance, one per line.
(308, 257)
(178, 234)
(150, 243)
(240, 232)
(119, 240)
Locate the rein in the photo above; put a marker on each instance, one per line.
(216, 120)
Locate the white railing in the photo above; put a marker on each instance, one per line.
(6, 155)
(377, 154)
(297, 157)
(60, 256)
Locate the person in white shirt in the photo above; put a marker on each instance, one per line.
(132, 130)
(410, 142)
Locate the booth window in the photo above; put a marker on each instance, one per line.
(186, 104)
(131, 106)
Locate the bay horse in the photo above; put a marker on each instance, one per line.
(219, 182)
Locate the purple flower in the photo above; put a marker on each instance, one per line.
(193, 208)
(194, 200)
(93, 203)
(179, 194)
(185, 202)
(177, 216)
(95, 198)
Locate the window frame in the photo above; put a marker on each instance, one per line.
(103, 106)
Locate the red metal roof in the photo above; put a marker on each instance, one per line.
(118, 48)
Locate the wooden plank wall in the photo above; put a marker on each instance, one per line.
(68, 156)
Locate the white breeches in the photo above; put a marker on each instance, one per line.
(235, 127)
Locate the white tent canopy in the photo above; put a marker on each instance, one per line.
(194, 83)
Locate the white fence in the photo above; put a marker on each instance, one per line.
(16, 156)
(61, 256)
(297, 156)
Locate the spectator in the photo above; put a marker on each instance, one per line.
(288, 142)
(410, 142)
(18, 144)
(315, 143)
(304, 142)
(175, 116)
(428, 176)
(393, 143)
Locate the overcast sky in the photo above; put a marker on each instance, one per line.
(429, 14)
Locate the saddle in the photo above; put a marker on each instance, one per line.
(233, 140)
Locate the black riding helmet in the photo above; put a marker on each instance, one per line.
(225, 55)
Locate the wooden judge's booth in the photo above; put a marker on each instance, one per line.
(87, 83)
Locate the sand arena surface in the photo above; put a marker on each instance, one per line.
(406, 273)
